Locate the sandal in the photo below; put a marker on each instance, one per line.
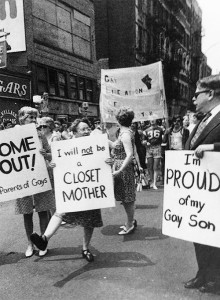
(127, 231)
(134, 223)
(87, 255)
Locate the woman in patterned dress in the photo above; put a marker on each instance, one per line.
(123, 169)
(42, 202)
(87, 219)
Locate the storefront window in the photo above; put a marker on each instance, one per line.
(52, 82)
(81, 88)
(89, 90)
(73, 87)
(41, 80)
(62, 84)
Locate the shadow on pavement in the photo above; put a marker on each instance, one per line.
(104, 261)
(10, 257)
(141, 233)
(141, 206)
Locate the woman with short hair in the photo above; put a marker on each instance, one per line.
(41, 202)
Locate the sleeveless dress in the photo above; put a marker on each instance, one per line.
(124, 182)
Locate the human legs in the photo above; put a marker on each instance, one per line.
(42, 241)
(28, 225)
(43, 218)
(150, 166)
(156, 171)
(88, 231)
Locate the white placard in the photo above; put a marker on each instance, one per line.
(83, 180)
(140, 88)
(23, 170)
(12, 21)
(192, 197)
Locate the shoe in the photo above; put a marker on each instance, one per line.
(63, 223)
(127, 231)
(87, 255)
(39, 241)
(134, 223)
(30, 251)
(194, 283)
(155, 187)
(151, 185)
(208, 287)
(43, 252)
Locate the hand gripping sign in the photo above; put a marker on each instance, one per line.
(191, 208)
(23, 170)
(83, 180)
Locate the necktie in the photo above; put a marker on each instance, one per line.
(200, 128)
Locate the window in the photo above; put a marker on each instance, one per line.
(52, 82)
(62, 84)
(81, 88)
(41, 80)
(89, 90)
(73, 87)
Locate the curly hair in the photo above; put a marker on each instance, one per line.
(74, 125)
(26, 111)
(125, 116)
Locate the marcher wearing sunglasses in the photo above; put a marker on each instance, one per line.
(200, 92)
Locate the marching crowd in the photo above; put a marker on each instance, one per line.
(138, 149)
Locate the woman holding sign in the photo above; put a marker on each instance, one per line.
(87, 219)
(42, 202)
(123, 169)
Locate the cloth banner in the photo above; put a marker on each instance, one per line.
(191, 197)
(23, 170)
(83, 180)
(140, 88)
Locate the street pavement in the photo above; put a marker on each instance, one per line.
(143, 265)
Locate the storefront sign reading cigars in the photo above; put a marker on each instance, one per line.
(83, 180)
(14, 87)
(191, 197)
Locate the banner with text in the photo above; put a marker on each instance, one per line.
(140, 88)
(23, 170)
(191, 197)
(83, 180)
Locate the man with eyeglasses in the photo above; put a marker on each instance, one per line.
(206, 136)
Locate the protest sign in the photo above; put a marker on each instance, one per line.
(23, 170)
(83, 180)
(140, 88)
(191, 197)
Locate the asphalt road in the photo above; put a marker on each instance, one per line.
(143, 265)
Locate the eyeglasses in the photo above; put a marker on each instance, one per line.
(197, 93)
(98, 122)
(42, 126)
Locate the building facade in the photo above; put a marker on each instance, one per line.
(140, 32)
(59, 59)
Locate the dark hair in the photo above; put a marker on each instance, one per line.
(74, 125)
(125, 116)
(211, 82)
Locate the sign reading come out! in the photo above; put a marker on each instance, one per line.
(192, 197)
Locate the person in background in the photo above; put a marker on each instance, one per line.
(58, 127)
(97, 127)
(206, 132)
(141, 150)
(47, 127)
(152, 139)
(185, 121)
(42, 202)
(193, 120)
(88, 219)
(123, 168)
(8, 124)
(176, 136)
(65, 134)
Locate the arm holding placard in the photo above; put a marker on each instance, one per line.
(199, 151)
